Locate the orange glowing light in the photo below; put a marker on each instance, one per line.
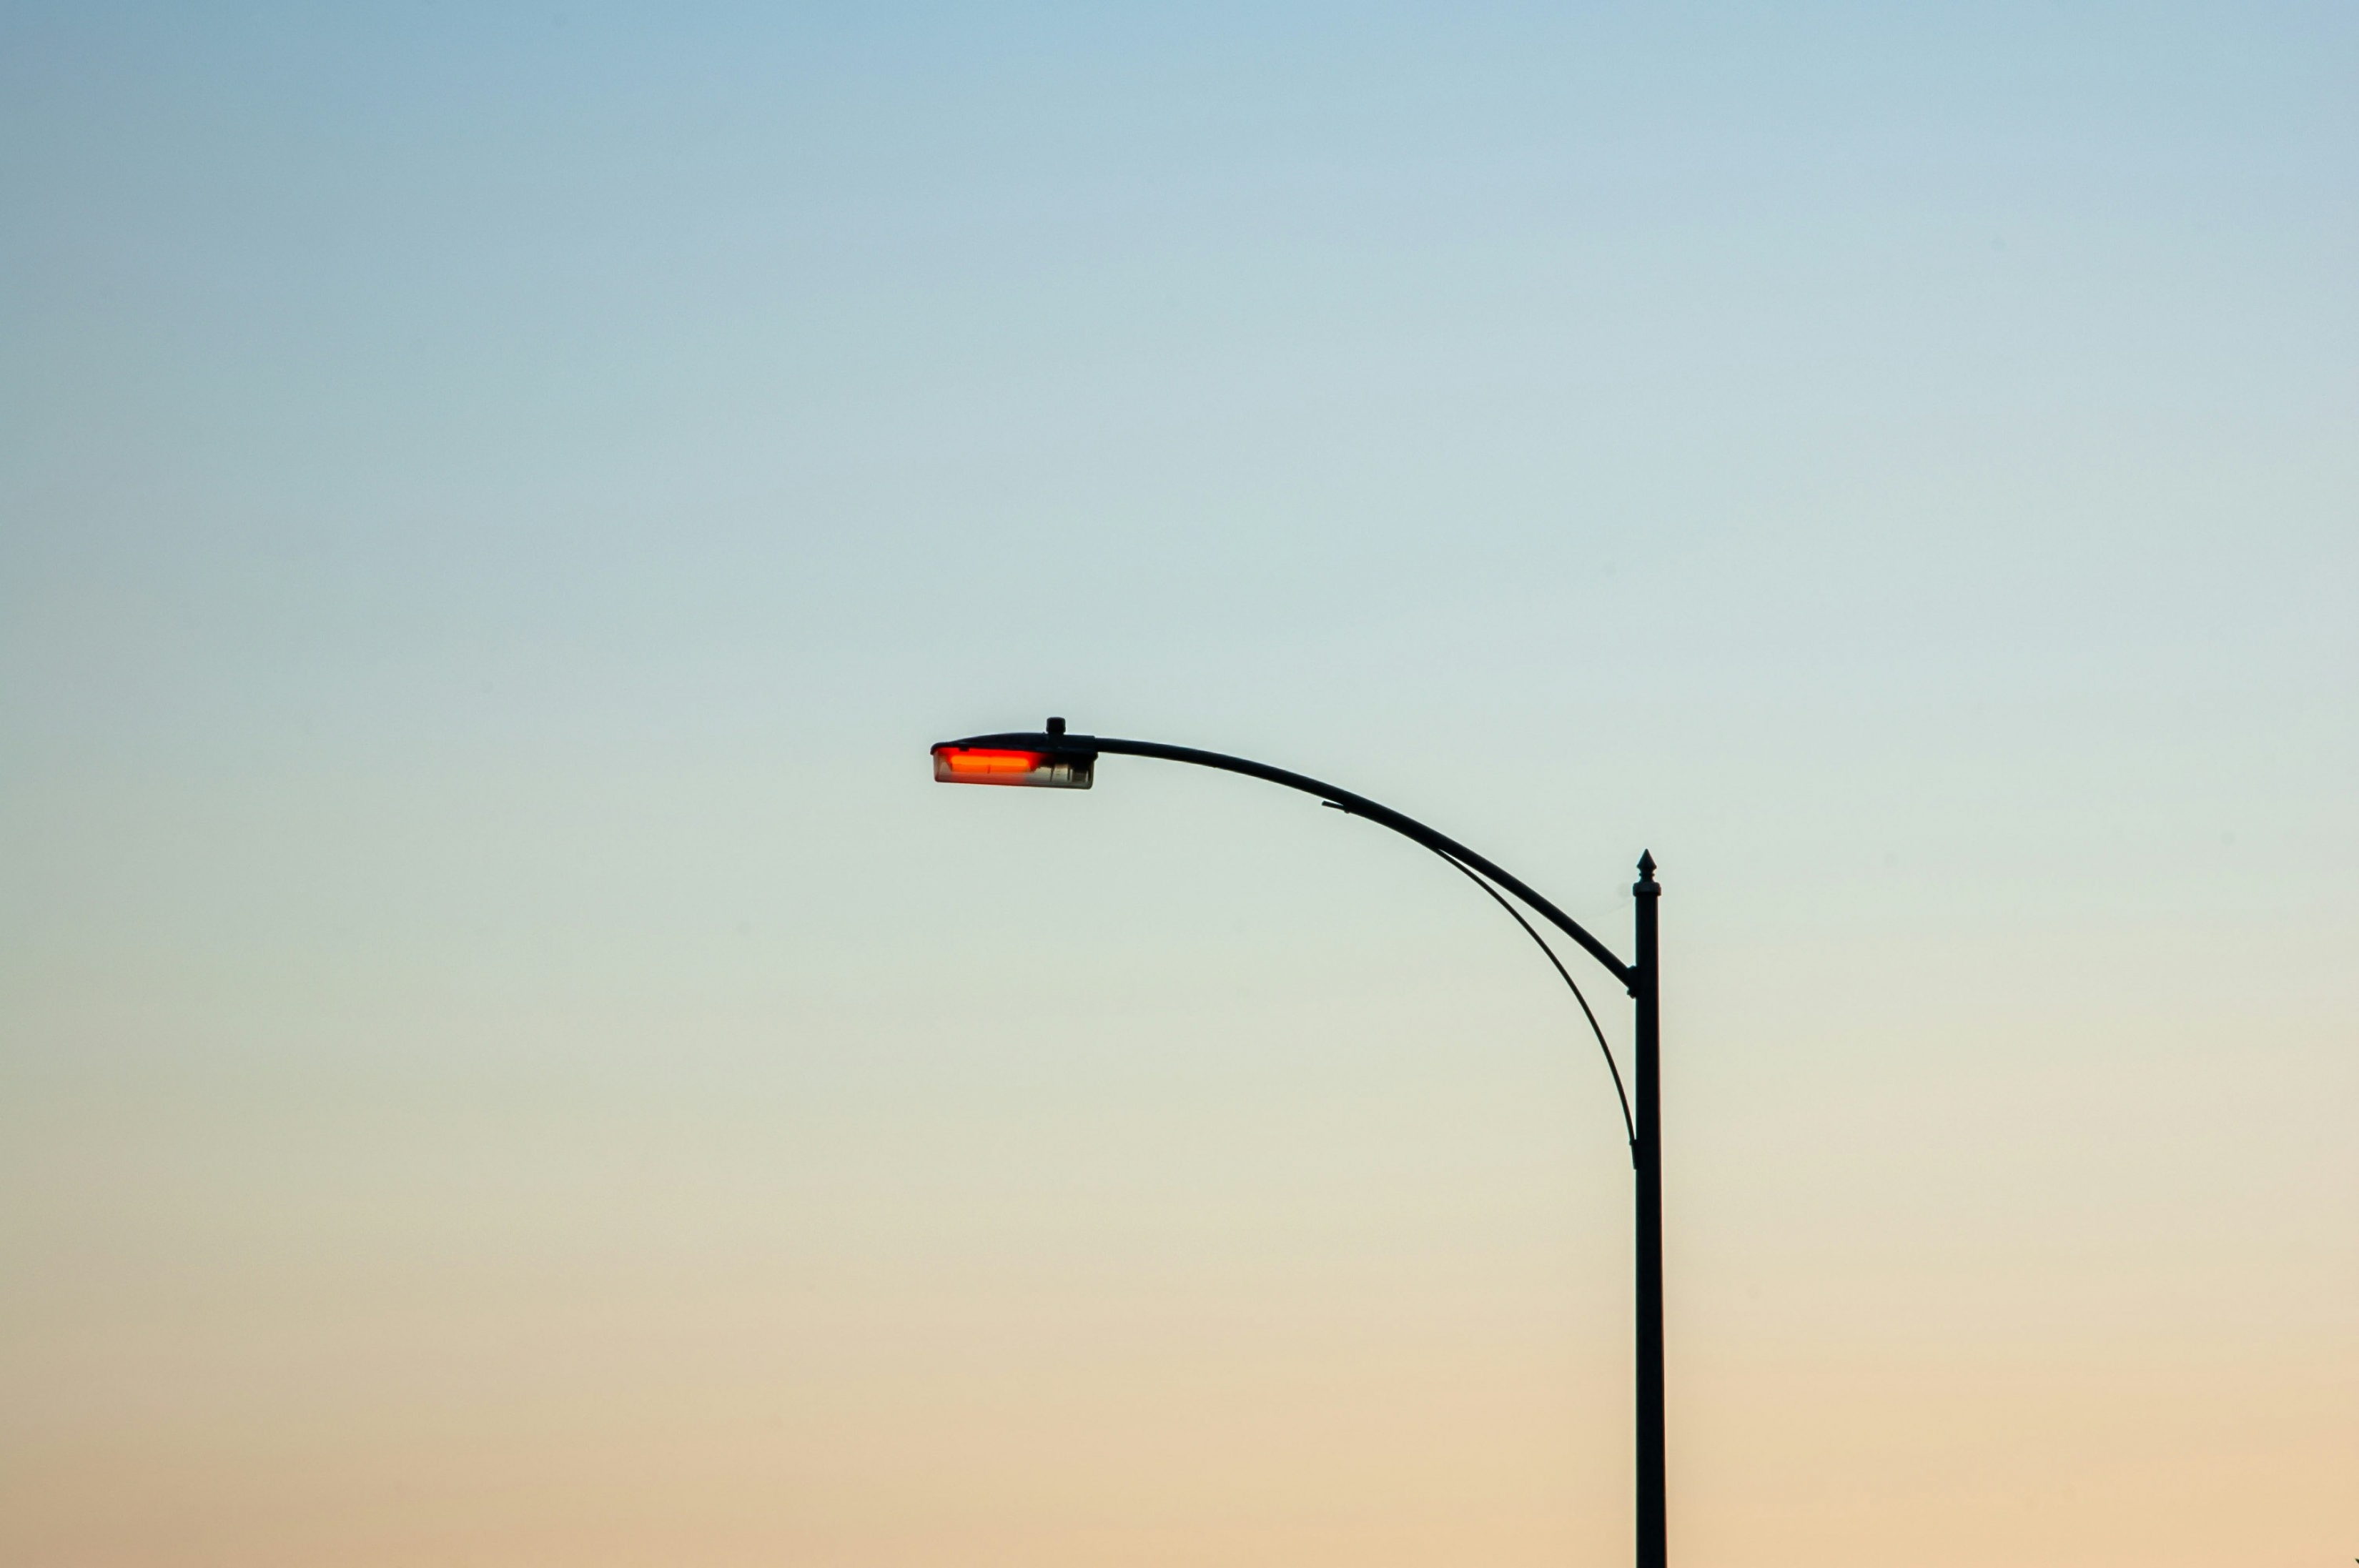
(980, 761)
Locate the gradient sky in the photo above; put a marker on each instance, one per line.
(506, 1060)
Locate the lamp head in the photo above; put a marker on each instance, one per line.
(1046, 759)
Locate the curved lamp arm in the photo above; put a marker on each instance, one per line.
(1629, 1127)
(1081, 750)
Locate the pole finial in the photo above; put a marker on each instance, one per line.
(1647, 886)
(1646, 864)
(1056, 727)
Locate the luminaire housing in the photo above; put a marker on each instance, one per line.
(1043, 761)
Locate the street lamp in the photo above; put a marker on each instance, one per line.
(1055, 759)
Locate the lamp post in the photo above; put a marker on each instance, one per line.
(1053, 759)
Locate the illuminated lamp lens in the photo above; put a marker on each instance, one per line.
(964, 761)
(985, 765)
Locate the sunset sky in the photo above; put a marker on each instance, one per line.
(506, 1060)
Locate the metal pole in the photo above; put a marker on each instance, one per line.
(1653, 1548)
